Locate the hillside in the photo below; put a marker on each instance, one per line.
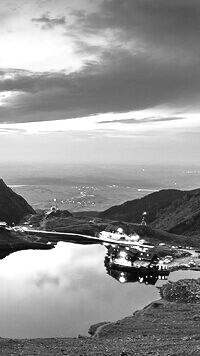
(84, 225)
(182, 215)
(171, 210)
(172, 216)
(153, 203)
(12, 206)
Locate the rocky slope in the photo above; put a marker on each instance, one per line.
(12, 206)
(171, 210)
(182, 291)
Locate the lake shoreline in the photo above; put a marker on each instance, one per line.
(165, 326)
(161, 328)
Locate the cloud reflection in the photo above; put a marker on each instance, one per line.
(43, 279)
(70, 290)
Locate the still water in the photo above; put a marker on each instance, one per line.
(61, 292)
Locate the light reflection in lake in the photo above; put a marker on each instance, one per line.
(61, 292)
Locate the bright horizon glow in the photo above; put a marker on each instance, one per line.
(107, 121)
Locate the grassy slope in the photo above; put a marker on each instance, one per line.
(92, 228)
(170, 210)
(16, 241)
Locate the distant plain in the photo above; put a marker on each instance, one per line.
(94, 187)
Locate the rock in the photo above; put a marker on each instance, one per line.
(182, 291)
(93, 328)
(185, 338)
(196, 317)
(156, 305)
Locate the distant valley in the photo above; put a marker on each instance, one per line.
(172, 216)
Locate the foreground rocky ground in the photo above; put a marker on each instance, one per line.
(162, 328)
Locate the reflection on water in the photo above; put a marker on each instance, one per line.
(127, 264)
(141, 277)
(61, 292)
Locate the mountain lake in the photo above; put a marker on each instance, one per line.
(61, 292)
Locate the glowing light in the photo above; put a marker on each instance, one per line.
(123, 254)
(122, 279)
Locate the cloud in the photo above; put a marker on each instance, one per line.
(120, 82)
(147, 55)
(145, 120)
(47, 23)
(156, 24)
(8, 130)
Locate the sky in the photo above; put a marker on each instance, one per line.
(100, 81)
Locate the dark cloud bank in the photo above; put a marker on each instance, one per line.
(162, 68)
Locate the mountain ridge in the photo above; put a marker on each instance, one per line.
(13, 207)
(171, 210)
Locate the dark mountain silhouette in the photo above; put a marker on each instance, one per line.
(182, 216)
(170, 210)
(12, 206)
(132, 210)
